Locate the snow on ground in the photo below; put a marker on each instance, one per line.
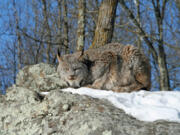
(143, 105)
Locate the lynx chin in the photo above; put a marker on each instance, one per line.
(116, 67)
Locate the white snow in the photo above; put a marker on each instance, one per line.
(44, 93)
(143, 105)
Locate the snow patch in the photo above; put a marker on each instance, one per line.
(143, 105)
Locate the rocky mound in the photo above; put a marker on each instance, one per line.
(25, 111)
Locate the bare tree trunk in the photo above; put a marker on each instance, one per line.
(164, 76)
(19, 41)
(65, 21)
(105, 24)
(59, 25)
(48, 31)
(81, 25)
(13, 51)
(137, 2)
(38, 54)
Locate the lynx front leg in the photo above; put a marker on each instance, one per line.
(105, 83)
(129, 88)
(99, 83)
(90, 86)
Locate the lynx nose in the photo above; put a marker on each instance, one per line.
(72, 77)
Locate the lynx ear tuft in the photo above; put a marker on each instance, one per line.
(81, 56)
(82, 53)
(59, 56)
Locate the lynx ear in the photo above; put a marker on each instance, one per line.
(82, 53)
(81, 57)
(59, 56)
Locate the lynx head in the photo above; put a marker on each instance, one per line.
(73, 70)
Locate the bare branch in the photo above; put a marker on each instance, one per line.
(142, 33)
(40, 41)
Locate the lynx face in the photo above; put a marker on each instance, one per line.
(72, 71)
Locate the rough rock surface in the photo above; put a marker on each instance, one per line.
(40, 77)
(24, 111)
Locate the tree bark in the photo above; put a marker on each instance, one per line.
(59, 25)
(105, 25)
(48, 31)
(164, 75)
(137, 2)
(65, 30)
(81, 25)
(19, 41)
(38, 55)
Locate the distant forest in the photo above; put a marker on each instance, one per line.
(33, 30)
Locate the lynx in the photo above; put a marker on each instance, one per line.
(111, 67)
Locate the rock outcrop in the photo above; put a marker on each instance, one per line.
(25, 111)
(40, 77)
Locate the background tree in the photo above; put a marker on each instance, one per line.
(18, 35)
(65, 27)
(47, 28)
(105, 24)
(81, 25)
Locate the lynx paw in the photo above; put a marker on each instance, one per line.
(90, 86)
